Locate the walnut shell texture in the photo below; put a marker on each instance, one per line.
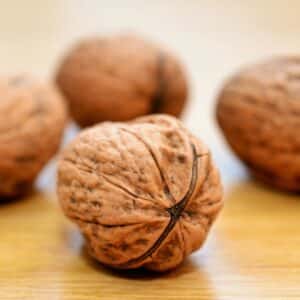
(32, 119)
(120, 78)
(143, 193)
(259, 112)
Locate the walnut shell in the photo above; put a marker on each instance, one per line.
(259, 112)
(120, 78)
(143, 193)
(32, 119)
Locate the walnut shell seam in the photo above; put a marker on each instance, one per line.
(174, 211)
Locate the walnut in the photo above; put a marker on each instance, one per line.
(120, 78)
(259, 112)
(32, 118)
(143, 193)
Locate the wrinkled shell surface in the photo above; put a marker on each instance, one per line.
(32, 118)
(143, 193)
(120, 78)
(259, 112)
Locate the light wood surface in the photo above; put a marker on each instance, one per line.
(252, 251)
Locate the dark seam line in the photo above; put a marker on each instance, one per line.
(174, 211)
(158, 98)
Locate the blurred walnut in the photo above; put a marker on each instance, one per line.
(143, 193)
(120, 78)
(259, 112)
(32, 118)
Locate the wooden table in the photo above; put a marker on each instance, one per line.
(253, 251)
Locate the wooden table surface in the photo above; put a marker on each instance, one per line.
(253, 251)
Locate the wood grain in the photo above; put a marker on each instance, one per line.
(252, 252)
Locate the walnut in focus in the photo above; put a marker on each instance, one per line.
(259, 112)
(32, 119)
(143, 193)
(120, 78)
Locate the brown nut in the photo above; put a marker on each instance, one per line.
(259, 112)
(120, 78)
(32, 118)
(143, 193)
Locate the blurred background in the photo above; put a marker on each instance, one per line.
(256, 240)
(213, 39)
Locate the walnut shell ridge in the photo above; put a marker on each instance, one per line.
(259, 112)
(120, 78)
(143, 193)
(32, 120)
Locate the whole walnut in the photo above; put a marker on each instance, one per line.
(143, 193)
(259, 112)
(32, 119)
(120, 78)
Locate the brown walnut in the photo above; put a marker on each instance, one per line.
(32, 118)
(259, 112)
(120, 78)
(143, 193)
